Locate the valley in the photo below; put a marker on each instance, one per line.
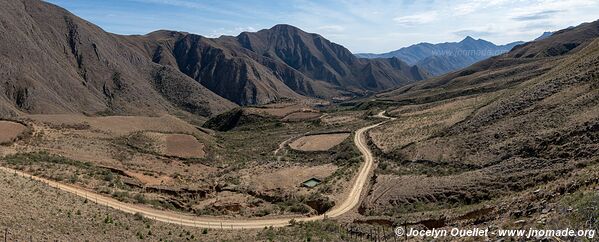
(154, 180)
(280, 134)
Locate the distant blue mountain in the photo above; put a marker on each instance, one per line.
(438, 59)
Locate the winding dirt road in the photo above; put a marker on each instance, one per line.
(227, 223)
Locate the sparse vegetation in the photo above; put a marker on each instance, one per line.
(509, 141)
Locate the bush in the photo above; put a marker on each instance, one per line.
(140, 198)
(121, 195)
(108, 219)
(43, 157)
(107, 176)
(138, 216)
(262, 212)
(298, 208)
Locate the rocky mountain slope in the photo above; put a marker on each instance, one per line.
(438, 59)
(544, 35)
(55, 62)
(494, 129)
(281, 62)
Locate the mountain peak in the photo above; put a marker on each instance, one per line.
(544, 35)
(285, 27)
(467, 39)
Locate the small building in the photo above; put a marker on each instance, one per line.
(312, 182)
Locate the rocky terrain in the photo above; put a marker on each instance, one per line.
(271, 64)
(55, 62)
(485, 134)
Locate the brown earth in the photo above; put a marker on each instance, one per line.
(117, 125)
(150, 180)
(287, 178)
(114, 142)
(515, 135)
(10, 131)
(301, 116)
(183, 145)
(200, 198)
(318, 142)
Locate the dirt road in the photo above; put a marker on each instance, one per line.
(228, 223)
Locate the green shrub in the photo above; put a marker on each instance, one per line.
(138, 216)
(140, 198)
(108, 219)
(43, 157)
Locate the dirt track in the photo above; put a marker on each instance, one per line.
(226, 223)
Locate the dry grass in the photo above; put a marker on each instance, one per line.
(340, 118)
(169, 164)
(454, 148)
(420, 122)
(280, 110)
(185, 146)
(318, 142)
(172, 145)
(301, 116)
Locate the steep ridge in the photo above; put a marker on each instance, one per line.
(55, 62)
(559, 43)
(322, 60)
(281, 62)
(544, 35)
(438, 59)
(224, 70)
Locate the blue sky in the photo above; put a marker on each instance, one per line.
(360, 25)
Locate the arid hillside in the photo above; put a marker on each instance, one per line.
(283, 62)
(483, 134)
(55, 62)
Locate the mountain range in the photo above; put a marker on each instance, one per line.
(438, 59)
(55, 62)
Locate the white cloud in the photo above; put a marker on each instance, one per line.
(464, 9)
(331, 28)
(361, 26)
(420, 18)
(245, 29)
(232, 32)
